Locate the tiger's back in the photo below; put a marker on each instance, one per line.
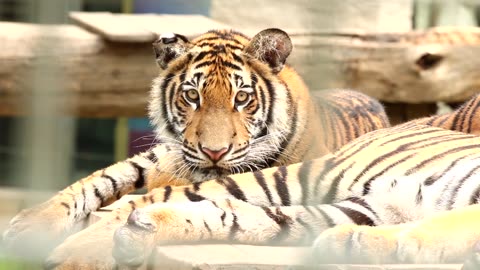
(346, 115)
(464, 119)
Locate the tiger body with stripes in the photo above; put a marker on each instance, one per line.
(223, 104)
(413, 200)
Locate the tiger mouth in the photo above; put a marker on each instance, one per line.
(214, 170)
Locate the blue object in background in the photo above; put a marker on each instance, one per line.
(140, 135)
(172, 6)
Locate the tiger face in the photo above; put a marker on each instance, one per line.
(220, 102)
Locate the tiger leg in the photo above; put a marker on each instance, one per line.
(54, 219)
(270, 188)
(442, 238)
(223, 220)
(229, 221)
(285, 185)
(226, 220)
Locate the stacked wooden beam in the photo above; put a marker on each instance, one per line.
(107, 72)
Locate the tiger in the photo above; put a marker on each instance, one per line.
(223, 104)
(407, 193)
(250, 110)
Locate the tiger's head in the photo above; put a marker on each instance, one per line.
(221, 102)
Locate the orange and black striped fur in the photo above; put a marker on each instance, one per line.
(464, 119)
(395, 194)
(385, 177)
(228, 105)
(222, 104)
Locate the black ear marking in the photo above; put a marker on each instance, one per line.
(168, 47)
(271, 46)
(168, 40)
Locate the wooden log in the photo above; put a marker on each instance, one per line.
(101, 78)
(439, 64)
(142, 28)
(112, 79)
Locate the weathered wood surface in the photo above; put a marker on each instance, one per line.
(111, 79)
(440, 64)
(233, 257)
(100, 78)
(142, 28)
(236, 257)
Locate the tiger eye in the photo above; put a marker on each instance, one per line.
(192, 95)
(241, 97)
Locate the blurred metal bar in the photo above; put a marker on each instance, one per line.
(44, 137)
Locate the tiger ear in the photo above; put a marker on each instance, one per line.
(168, 47)
(271, 46)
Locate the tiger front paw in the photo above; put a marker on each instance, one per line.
(37, 230)
(88, 249)
(134, 241)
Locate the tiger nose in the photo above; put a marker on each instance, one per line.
(215, 155)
